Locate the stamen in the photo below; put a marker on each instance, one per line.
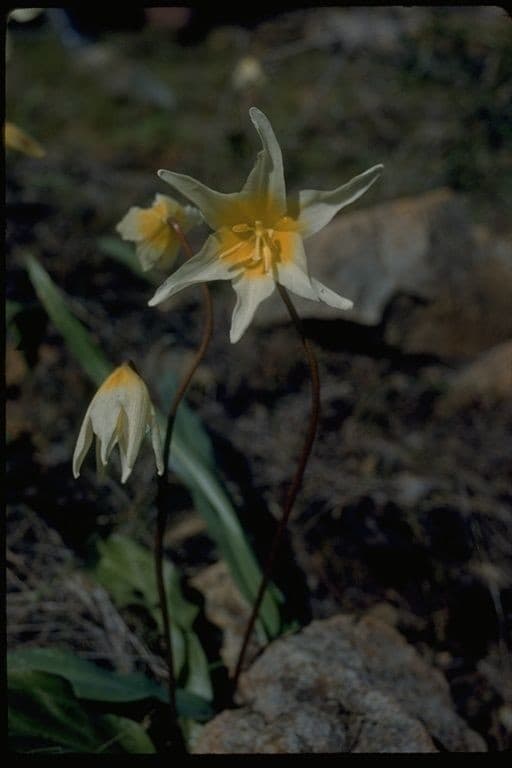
(233, 249)
(267, 258)
(264, 246)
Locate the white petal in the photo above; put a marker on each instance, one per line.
(330, 297)
(100, 468)
(129, 226)
(126, 469)
(201, 268)
(104, 419)
(135, 405)
(156, 442)
(193, 217)
(318, 208)
(257, 180)
(213, 205)
(250, 292)
(148, 255)
(267, 177)
(294, 274)
(83, 444)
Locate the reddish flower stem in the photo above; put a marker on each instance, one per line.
(296, 482)
(176, 738)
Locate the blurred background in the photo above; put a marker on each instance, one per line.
(406, 508)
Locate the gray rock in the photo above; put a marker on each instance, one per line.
(487, 380)
(424, 247)
(371, 254)
(226, 608)
(340, 685)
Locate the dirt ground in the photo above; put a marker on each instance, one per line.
(405, 510)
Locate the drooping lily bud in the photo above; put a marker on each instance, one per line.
(120, 413)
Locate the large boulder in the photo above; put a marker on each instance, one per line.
(458, 277)
(340, 685)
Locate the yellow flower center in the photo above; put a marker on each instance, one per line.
(261, 240)
(258, 246)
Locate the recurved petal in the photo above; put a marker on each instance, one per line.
(316, 208)
(250, 292)
(83, 444)
(293, 271)
(330, 297)
(266, 179)
(213, 205)
(201, 268)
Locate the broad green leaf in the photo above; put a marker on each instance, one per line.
(90, 681)
(127, 570)
(190, 463)
(44, 712)
(45, 716)
(128, 734)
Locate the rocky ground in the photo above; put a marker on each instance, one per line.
(398, 554)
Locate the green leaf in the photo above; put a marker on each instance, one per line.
(188, 428)
(190, 455)
(125, 254)
(127, 570)
(211, 501)
(45, 716)
(198, 669)
(90, 681)
(128, 734)
(12, 308)
(43, 712)
(78, 340)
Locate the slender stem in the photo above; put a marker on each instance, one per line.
(161, 498)
(296, 482)
(159, 567)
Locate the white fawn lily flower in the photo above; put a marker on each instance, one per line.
(120, 413)
(157, 243)
(258, 233)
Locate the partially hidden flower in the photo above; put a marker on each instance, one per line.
(248, 73)
(16, 138)
(120, 413)
(259, 232)
(157, 243)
